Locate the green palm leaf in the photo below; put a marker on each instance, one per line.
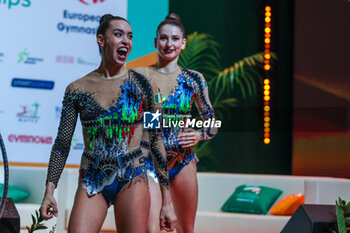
(244, 76)
(340, 218)
(201, 54)
(229, 87)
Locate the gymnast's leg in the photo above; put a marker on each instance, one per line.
(88, 213)
(131, 207)
(184, 194)
(153, 225)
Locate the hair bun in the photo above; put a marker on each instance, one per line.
(106, 17)
(173, 16)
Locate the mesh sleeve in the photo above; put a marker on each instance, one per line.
(205, 109)
(61, 147)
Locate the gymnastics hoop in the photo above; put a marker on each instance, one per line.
(6, 177)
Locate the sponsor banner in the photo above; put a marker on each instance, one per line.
(10, 4)
(77, 143)
(52, 43)
(31, 83)
(58, 110)
(25, 57)
(91, 2)
(13, 138)
(27, 147)
(78, 22)
(71, 60)
(28, 113)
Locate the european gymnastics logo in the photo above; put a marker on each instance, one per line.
(11, 3)
(94, 1)
(80, 18)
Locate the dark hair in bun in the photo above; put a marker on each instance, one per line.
(172, 16)
(104, 23)
(172, 19)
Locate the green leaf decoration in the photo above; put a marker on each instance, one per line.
(37, 223)
(34, 220)
(340, 219)
(40, 227)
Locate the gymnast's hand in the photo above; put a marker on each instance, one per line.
(189, 137)
(48, 207)
(167, 218)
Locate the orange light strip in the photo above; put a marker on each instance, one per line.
(267, 67)
(21, 164)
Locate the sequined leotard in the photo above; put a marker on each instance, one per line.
(111, 113)
(179, 89)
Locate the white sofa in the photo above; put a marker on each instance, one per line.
(214, 189)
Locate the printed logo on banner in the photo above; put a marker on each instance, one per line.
(10, 3)
(28, 113)
(93, 1)
(1, 56)
(20, 138)
(151, 120)
(58, 111)
(65, 59)
(77, 144)
(80, 19)
(31, 83)
(24, 57)
(81, 61)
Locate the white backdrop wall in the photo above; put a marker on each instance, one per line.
(45, 45)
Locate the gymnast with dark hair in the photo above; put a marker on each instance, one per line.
(110, 102)
(179, 89)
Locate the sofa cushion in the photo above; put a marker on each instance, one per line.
(251, 199)
(17, 194)
(209, 200)
(288, 205)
